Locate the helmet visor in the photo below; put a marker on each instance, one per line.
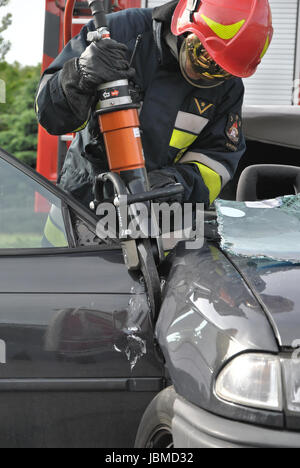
(197, 66)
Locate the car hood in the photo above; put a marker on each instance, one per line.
(276, 287)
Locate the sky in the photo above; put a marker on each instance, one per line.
(26, 32)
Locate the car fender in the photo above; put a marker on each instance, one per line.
(208, 316)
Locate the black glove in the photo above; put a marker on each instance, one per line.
(101, 62)
(162, 178)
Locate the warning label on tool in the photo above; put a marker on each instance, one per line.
(136, 132)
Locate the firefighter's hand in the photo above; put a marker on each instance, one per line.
(162, 178)
(102, 62)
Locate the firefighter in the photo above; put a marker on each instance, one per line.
(189, 58)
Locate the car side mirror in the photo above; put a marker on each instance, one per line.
(265, 181)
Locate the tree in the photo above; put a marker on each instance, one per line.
(18, 123)
(5, 22)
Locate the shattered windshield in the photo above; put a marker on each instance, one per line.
(269, 228)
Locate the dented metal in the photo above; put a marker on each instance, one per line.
(209, 315)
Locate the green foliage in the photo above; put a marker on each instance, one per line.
(5, 22)
(16, 78)
(18, 123)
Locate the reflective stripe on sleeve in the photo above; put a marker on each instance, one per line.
(43, 83)
(181, 140)
(215, 166)
(211, 179)
(190, 122)
(81, 127)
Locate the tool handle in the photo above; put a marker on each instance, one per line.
(98, 12)
(157, 194)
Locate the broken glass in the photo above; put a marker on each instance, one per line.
(269, 228)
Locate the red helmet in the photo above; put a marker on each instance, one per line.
(235, 33)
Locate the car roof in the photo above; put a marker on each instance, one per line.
(276, 125)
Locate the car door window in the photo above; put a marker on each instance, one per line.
(30, 215)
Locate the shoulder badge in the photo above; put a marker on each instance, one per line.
(234, 128)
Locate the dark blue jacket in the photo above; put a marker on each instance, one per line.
(193, 133)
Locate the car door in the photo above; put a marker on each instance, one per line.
(78, 363)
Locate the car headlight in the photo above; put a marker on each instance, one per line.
(252, 380)
(291, 373)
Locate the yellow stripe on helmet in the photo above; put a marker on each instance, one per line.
(224, 31)
(266, 46)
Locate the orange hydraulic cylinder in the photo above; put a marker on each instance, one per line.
(122, 139)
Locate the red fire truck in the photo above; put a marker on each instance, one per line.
(60, 26)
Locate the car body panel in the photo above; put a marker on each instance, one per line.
(99, 272)
(194, 427)
(78, 358)
(208, 316)
(275, 283)
(66, 418)
(73, 361)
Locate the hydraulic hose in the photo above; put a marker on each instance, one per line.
(98, 12)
